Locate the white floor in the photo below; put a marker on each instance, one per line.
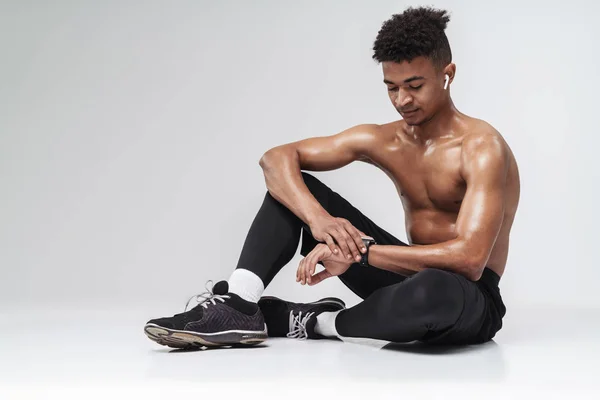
(71, 354)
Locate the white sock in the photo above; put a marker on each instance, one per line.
(246, 284)
(326, 324)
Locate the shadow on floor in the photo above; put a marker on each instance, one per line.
(422, 348)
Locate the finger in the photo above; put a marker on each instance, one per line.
(362, 234)
(317, 278)
(367, 236)
(351, 245)
(343, 243)
(310, 269)
(302, 272)
(353, 236)
(307, 267)
(302, 281)
(357, 236)
(300, 269)
(331, 244)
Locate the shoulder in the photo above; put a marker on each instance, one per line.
(483, 149)
(380, 131)
(369, 134)
(366, 130)
(369, 139)
(482, 137)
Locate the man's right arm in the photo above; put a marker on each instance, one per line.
(282, 165)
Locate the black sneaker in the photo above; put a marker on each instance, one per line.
(296, 320)
(221, 319)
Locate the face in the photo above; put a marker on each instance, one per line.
(415, 88)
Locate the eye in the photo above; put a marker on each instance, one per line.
(394, 89)
(417, 87)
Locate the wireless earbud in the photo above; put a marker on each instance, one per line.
(446, 84)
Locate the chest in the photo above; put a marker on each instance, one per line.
(429, 178)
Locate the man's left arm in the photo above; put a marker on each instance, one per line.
(484, 166)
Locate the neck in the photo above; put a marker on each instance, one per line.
(439, 125)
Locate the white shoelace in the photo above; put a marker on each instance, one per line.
(208, 297)
(297, 325)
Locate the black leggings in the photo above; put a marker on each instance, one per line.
(432, 306)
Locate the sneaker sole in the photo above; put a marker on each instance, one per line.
(188, 339)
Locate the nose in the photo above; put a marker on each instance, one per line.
(402, 99)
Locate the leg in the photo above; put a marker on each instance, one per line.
(433, 306)
(230, 315)
(275, 232)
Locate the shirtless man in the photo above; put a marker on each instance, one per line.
(459, 185)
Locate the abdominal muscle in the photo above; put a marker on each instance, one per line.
(425, 227)
(430, 227)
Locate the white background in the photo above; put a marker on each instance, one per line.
(130, 134)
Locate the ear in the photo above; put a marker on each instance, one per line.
(450, 71)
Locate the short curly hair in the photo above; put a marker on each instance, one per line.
(416, 32)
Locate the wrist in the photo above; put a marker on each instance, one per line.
(367, 242)
(315, 215)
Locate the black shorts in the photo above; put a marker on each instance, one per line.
(482, 314)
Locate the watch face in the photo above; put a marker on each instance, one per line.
(367, 243)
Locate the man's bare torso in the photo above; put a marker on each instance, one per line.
(428, 179)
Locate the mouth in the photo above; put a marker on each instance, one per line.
(409, 112)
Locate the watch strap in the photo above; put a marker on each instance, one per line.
(364, 257)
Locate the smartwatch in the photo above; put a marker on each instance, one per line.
(367, 241)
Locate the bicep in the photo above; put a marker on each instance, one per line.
(326, 153)
(482, 210)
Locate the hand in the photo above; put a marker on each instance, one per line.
(334, 230)
(335, 264)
